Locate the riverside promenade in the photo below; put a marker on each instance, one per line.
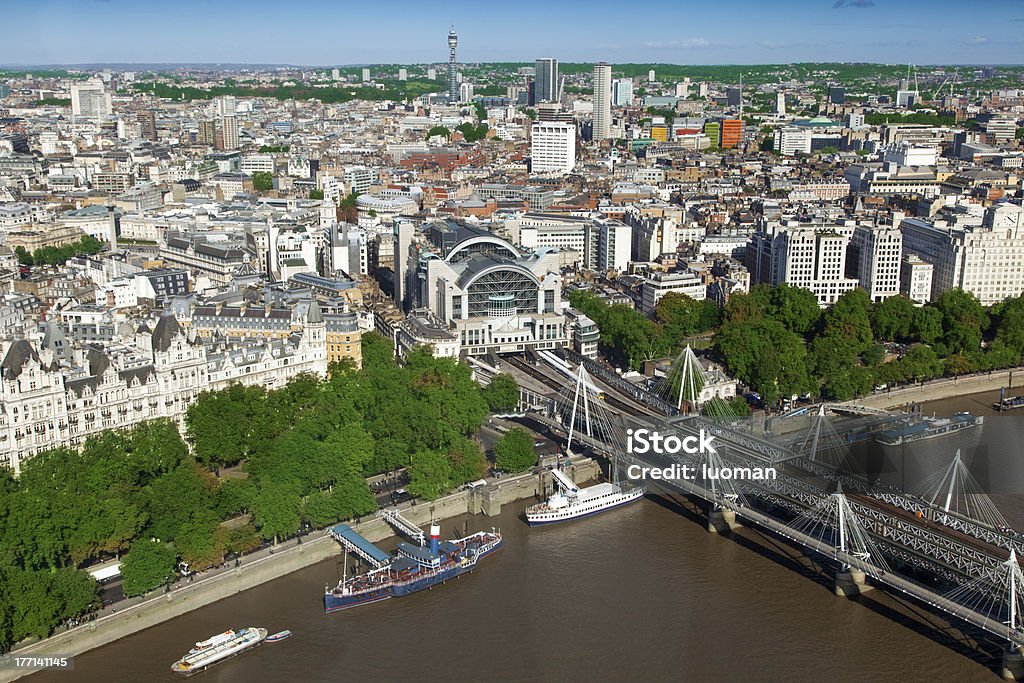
(936, 389)
(135, 614)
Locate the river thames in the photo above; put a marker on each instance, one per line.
(640, 592)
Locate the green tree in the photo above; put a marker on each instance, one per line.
(1008, 323)
(849, 319)
(24, 257)
(892, 319)
(926, 325)
(149, 564)
(765, 355)
(262, 181)
(681, 316)
(316, 194)
(502, 394)
(963, 320)
(514, 452)
(438, 131)
(277, 511)
(795, 307)
(430, 474)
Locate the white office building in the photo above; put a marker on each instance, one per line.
(553, 147)
(984, 259)
(877, 251)
(791, 140)
(90, 101)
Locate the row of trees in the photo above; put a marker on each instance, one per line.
(55, 256)
(298, 456)
(779, 342)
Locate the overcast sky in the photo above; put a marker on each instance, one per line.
(326, 32)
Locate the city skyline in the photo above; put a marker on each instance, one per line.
(109, 31)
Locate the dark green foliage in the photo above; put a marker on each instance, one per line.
(626, 335)
(437, 130)
(513, 452)
(262, 181)
(963, 320)
(765, 355)
(55, 256)
(149, 564)
(502, 394)
(472, 133)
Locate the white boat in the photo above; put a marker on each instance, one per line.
(214, 650)
(573, 502)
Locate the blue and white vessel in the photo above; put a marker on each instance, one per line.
(572, 502)
(412, 568)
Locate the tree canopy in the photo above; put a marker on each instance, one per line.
(513, 452)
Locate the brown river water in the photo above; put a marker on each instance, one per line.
(643, 592)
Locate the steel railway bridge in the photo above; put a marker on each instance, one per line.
(963, 567)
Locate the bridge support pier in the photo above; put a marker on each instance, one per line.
(1013, 664)
(722, 521)
(851, 582)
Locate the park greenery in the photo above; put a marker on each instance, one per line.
(274, 149)
(55, 256)
(340, 92)
(262, 466)
(779, 342)
(502, 394)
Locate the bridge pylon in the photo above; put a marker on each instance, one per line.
(836, 527)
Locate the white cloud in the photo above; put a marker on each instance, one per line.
(977, 40)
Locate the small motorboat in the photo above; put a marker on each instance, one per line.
(280, 635)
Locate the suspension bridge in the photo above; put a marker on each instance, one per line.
(943, 543)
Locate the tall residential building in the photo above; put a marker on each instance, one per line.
(229, 131)
(335, 74)
(734, 97)
(553, 147)
(546, 83)
(650, 76)
(207, 132)
(780, 103)
(622, 92)
(90, 100)
(366, 75)
(602, 101)
(453, 83)
(403, 74)
(465, 92)
(147, 122)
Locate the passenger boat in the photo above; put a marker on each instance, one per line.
(1014, 403)
(928, 428)
(218, 648)
(573, 502)
(412, 568)
(280, 635)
